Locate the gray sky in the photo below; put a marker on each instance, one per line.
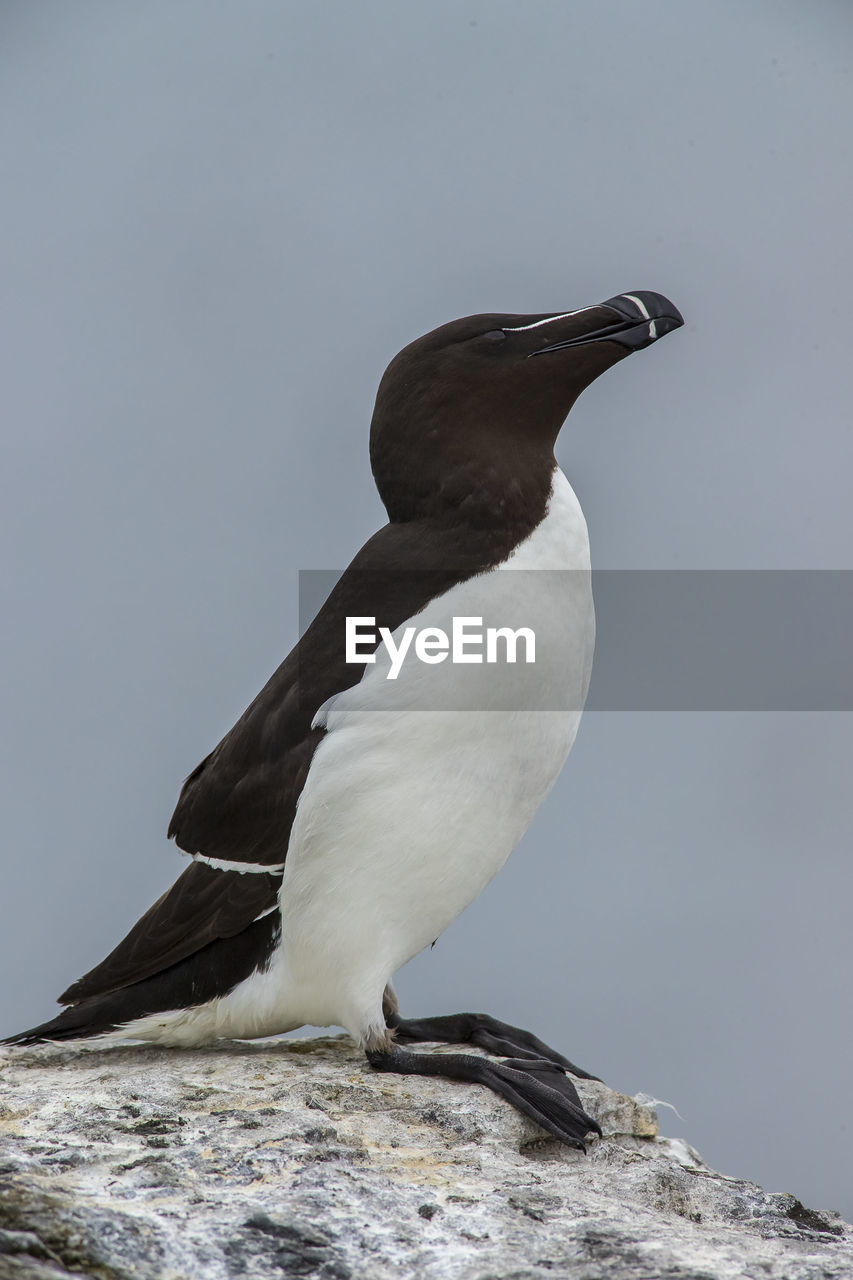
(220, 221)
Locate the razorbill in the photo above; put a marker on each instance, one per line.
(353, 812)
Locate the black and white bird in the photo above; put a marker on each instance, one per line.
(348, 817)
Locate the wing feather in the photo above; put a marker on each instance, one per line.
(201, 906)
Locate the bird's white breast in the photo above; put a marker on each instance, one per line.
(424, 785)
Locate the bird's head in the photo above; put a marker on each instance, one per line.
(478, 403)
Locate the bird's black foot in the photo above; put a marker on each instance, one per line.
(540, 1089)
(483, 1031)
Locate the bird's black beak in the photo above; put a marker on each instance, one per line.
(640, 318)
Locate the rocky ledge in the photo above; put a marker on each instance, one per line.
(291, 1158)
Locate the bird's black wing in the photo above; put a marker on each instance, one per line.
(237, 807)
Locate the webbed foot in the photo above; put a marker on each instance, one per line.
(483, 1031)
(538, 1088)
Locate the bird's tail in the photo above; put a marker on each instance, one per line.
(81, 1021)
(207, 974)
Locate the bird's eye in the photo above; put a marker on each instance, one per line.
(495, 335)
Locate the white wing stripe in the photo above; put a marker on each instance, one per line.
(242, 868)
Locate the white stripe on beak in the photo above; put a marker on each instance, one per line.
(643, 309)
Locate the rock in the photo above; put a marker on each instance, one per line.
(291, 1158)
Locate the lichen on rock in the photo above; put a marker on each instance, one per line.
(292, 1158)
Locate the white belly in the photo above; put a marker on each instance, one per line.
(423, 785)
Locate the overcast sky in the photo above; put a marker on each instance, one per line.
(220, 221)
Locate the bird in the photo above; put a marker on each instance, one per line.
(364, 799)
